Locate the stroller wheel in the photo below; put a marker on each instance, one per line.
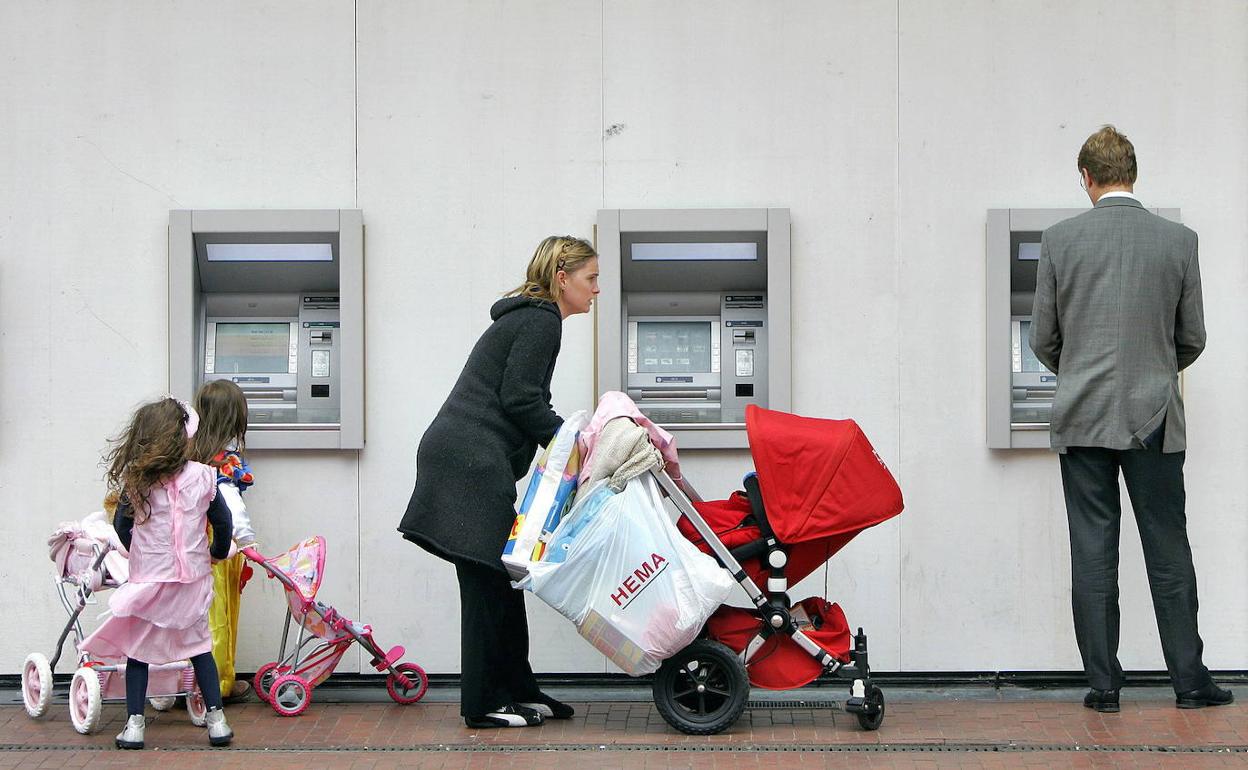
(263, 681)
(36, 684)
(85, 701)
(196, 707)
(291, 695)
(872, 714)
(702, 689)
(418, 683)
(163, 702)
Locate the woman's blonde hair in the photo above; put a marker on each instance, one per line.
(558, 252)
(222, 411)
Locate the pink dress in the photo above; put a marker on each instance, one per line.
(161, 614)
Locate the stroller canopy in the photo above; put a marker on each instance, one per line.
(304, 565)
(818, 477)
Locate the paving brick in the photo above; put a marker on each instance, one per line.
(920, 734)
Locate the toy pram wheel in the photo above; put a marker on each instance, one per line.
(163, 702)
(418, 683)
(872, 715)
(290, 695)
(85, 701)
(263, 681)
(36, 684)
(702, 689)
(196, 708)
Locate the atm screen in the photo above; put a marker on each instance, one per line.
(675, 347)
(252, 348)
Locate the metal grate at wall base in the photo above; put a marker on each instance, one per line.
(794, 704)
(752, 748)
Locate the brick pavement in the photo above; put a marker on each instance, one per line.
(919, 734)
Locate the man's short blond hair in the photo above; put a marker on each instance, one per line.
(1109, 157)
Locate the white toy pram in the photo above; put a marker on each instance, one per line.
(89, 558)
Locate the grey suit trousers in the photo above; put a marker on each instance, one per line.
(1093, 507)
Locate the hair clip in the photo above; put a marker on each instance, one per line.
(192, 417)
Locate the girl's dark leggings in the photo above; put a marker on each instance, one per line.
(205, 674)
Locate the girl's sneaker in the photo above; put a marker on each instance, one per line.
(131, 736)
(219, 733)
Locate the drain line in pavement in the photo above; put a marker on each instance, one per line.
(809, 748)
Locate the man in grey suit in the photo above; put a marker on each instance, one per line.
(1117, 316)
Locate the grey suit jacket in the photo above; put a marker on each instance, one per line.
(1118, 314)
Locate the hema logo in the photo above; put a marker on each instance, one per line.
(634, 583)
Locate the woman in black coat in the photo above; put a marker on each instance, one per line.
(479, 445)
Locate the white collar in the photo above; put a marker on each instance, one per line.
(1118, 194)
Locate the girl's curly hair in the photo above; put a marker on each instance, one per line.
(153, 448)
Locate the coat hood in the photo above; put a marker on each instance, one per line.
(508, 304)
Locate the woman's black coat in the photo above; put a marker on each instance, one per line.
(485, 436)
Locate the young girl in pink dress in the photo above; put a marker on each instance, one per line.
(161, 614)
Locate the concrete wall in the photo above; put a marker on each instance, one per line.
(466, 132)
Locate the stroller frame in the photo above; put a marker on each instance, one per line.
(708, 672)
(95, 683)
(286, 684)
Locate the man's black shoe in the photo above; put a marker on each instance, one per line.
(1209, 695)
(1105, 701)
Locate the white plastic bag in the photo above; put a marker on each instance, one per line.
(551, 489)
(635, 588)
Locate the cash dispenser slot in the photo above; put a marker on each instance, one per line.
(270, 394)
(679, 395)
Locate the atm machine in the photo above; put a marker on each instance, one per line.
(273, 301)
(1020, 389)
(693, 317)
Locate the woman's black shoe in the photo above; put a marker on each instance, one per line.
(511, 715)
(1209, 695)
(1105, 701)
(550, 708)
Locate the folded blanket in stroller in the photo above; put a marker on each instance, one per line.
(622, 453)
(74, 546)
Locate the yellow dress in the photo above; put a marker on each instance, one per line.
(229, 575)
(223, 617)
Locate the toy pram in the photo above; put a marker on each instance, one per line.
(286, 684)
(817, 484)
(89, 558)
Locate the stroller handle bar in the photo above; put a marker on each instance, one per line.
(676, 493)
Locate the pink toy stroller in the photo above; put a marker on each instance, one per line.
(817, 484)
(286, 684)
(89, 558)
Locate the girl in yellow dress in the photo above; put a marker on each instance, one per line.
(220, 442)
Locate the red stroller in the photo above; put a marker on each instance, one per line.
(817, 484)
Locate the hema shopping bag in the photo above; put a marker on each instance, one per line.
(550, 492)
(635, 588)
